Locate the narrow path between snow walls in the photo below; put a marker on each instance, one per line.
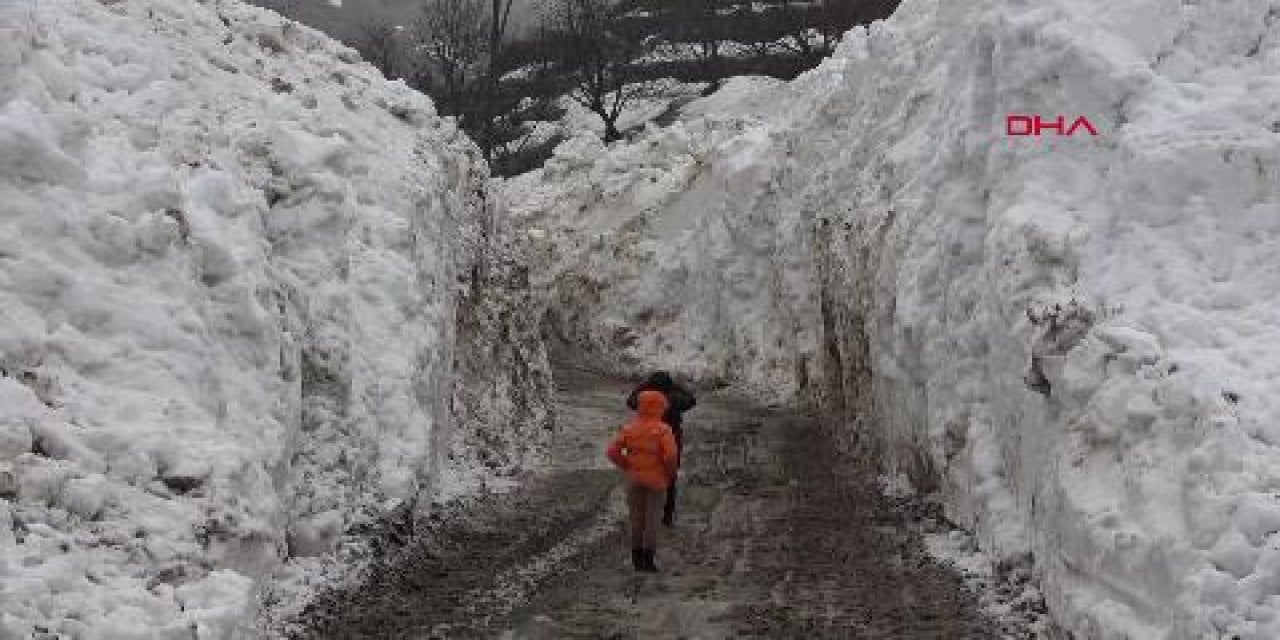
(239, 274)
(1074, 340)
(777, 535)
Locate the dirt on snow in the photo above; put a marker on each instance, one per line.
(779, 535)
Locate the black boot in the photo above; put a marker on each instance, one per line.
(648, 559)
(638, 559)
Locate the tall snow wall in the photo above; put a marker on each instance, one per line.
(1075, 340)
(650, 255)
(238, 270)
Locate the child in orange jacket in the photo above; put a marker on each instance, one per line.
(645, 449)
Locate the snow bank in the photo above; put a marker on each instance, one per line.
(663, 253)
(1077, 340)
(231, 260)
(502, 389)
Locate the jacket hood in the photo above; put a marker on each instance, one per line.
(651, 404)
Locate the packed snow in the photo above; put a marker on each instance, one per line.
(1076, 340)
(237, 268)
(253, 297)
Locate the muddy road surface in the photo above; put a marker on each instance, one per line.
(777, 536)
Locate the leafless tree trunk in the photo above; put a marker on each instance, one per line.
(452, 50)
(601, 56)
(499, 15)
(468, 51)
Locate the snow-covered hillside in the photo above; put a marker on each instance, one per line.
(235, 269)
(1076, 340)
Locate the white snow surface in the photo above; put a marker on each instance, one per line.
(1075, 340)
(649, 101)
(231, 264)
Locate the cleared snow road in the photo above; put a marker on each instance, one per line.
(778, 538)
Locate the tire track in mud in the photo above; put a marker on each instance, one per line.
(778, 536)
(470, 565)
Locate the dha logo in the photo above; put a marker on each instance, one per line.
(1033, 125)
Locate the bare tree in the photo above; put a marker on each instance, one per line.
(491, 134)
(465, 60)
(452, 52)
(463, 42)
(499, 18)
(601, 55)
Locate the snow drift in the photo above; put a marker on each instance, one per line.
(235, 270)
(1075, 340)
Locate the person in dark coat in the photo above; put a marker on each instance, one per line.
(679, 400)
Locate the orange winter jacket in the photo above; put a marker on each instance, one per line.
(646, 448)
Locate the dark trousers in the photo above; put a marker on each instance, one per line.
(669, 507)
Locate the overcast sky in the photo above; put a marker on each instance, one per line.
(345, 22)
